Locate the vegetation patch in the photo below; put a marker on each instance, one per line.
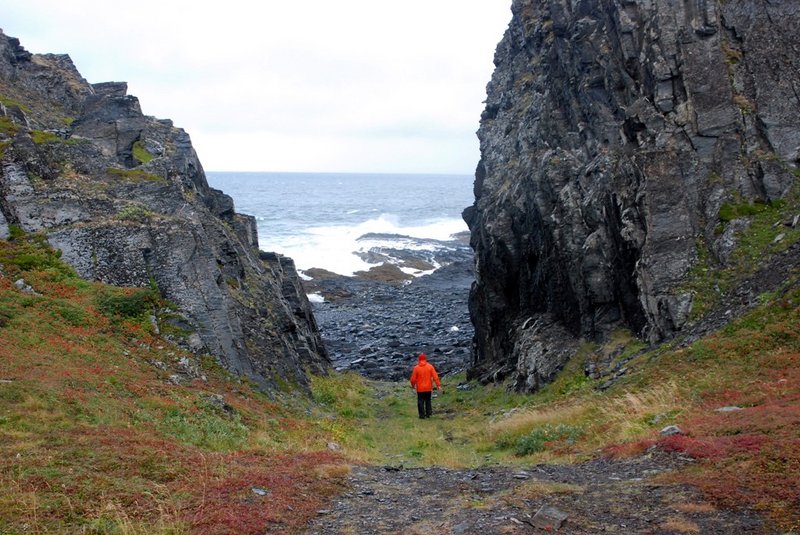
(135, 212)
(7, 126)
(7, 101)
(141, 154)
(133, 175)
(729, 212)
(41, 137)
(766, 234)
(546, 437)
(127, 302)
(31, 252)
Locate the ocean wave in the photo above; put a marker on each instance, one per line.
(337, 248)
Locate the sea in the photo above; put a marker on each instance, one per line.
(324, 220)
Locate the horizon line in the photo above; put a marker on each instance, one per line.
(471, 174)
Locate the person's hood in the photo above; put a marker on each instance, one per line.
(422, 358)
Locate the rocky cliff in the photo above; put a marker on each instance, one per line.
(621, 142)
(124, 197)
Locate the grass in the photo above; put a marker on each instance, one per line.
(7, 101)
(41, 137)
(135, 212)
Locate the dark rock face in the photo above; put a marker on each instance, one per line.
(125, 199)
(613, 133)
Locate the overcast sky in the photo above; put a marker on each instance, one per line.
(290, 85)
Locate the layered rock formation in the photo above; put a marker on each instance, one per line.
(614, 132)
(124, 197)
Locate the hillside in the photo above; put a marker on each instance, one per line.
(124, 197)
(106, 427)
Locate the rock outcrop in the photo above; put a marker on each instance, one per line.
(124, 197)
(614, 132)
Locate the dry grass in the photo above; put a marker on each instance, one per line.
(679, 525)
(536, 490)
(329, 471)
(632, 413)
(695, 508)
(522, 421)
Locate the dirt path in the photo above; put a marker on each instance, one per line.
(600, 496)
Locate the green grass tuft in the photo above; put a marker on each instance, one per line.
(7, 126)
(41, 137)
(133, 175)
(141, 154)
(537, 440)
(729, 212)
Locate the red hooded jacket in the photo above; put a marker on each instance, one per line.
(424, 375)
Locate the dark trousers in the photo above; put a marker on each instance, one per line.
(424, 404)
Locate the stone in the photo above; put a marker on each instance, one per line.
(258, 491)
(24, 287)
(671, 430)
(549, 518)
(729, 409)
(396, 331)
(5, 231)
(217, 401)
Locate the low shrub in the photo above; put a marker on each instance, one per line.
(537, 440)
(128, 302)
(134, 212)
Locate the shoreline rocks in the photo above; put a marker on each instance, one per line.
(377, 327)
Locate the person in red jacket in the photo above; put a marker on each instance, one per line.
(422, 379)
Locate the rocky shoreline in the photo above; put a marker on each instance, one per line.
(377, 325)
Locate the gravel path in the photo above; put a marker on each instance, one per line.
(600, 496)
